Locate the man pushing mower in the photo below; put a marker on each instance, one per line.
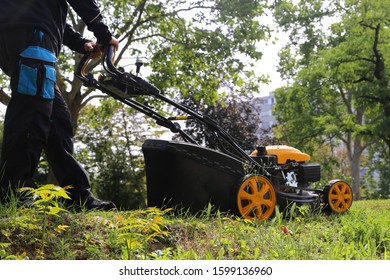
(37, 119)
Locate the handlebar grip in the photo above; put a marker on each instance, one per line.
(108, 59)
(80, 68)
(126, 76)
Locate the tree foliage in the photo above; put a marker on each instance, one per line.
(338, 64)
(111, 136)
(235, 114)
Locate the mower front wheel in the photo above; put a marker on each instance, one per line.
(254, 198)
(338, 196)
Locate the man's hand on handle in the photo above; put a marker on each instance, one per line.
(96, 50)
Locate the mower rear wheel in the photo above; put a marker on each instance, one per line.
(255, 198)
(338, 196)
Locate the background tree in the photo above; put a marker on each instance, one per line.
(377, 179)
(337, 62)
(111, 136)
(235, 113)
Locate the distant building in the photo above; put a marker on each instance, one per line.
(266, 117)
(264, 106)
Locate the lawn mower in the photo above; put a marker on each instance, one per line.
(186, 175)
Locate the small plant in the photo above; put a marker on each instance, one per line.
(3, 254)
(45, 201)
(140, 229)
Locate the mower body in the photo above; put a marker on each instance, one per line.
(191, 177)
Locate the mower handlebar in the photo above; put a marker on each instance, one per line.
(108, 61)
(81, 67)
(107, 64)
(124, 77)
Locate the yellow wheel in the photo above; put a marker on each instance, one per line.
(255, 198)
(338, 196)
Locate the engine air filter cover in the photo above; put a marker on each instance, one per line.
(310, 172)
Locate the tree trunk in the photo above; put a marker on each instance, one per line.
(355, 168)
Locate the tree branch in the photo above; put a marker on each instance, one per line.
(129, 35)
(346, 101)
(141, 9)
(380, 64)
(87, 100)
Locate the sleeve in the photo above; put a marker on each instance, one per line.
(90, 13)
(74, 40)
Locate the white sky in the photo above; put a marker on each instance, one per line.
(269, 62)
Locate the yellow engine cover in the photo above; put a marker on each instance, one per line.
(284, 153)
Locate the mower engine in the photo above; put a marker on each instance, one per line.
(287, 167)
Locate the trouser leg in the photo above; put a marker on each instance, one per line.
(59, 152)
(26, 127)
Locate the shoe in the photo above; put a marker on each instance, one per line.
(90, 203)
(26, 203)
(93, 203)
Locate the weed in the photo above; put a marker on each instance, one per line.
(3, 254)
(139, 230)
(45, 201)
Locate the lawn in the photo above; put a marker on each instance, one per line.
(363, 233)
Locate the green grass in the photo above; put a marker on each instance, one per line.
(363, 233)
